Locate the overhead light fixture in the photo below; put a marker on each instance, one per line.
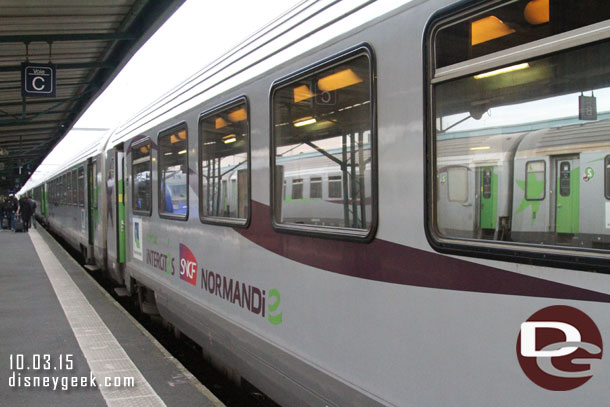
(304, 121)
(238, 115)
(220, 123)
(480, 148)
(302, 93)
(230, 138)
(502, 70)
(487, 29)
(537, 12)
(181, 152)
(341, 79)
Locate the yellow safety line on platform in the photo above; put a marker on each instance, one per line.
(105, 356)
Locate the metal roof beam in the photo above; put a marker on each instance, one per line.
(3, 143)
(36, 102)
(125, 36)
(77, 65)
(28, 120)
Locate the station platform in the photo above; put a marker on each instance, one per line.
(64, 341)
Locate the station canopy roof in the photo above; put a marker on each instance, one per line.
(88, 42)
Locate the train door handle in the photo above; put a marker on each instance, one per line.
(559, 205)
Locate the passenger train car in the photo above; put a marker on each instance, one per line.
(398, 203)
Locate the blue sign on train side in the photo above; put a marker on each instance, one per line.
(38, 80)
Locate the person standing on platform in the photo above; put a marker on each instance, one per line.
(10, 207)
(25, 211)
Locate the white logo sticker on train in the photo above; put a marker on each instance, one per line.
(559, 348)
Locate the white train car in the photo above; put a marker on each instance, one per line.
(390, 306)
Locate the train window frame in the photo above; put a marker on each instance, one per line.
(527, 163)
(64, 189)
(215, 110)
(276, 190)
(74, 175)
(299, 183)
(545, 254)
(136, 145)
(450, 197)
(607, 177)
(319, 186)
(81, 186)
(168, 133)
(94, 184)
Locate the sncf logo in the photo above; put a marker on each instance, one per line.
(559, 348)
(188, 265)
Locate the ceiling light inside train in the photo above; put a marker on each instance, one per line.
(304, 121)
(181, 152)
(220, 123)
(231, 138)
(537, 12)
(238, 115)
(302, 93)
(480, 148)
(503, 70)
(341, 79)
(487, 29)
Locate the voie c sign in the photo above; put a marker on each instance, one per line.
(38, 80)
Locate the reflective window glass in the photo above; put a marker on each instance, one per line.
(323, 133)
(173, 173)
(532, 136)
(224, 166)
(141, 175)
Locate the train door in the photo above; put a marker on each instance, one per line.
(488, 198)
(567, 201)
(120, 203)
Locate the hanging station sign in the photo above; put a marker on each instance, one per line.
(38, 80)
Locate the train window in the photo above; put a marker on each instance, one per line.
(94, 182)
(519, 102)
(535, 180)
(66, 188)
(457, 184)
(224, 165)
(173, 173)
(564, 179)
(74, 199)
(511, 24)
(335, 186)
(68, 179)
(315, 187)
(486, 187)
(81, 186)
(607, 177)
(141, 177)
(324, 130)
(297, 188)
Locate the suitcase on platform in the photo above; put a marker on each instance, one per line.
(19, 227)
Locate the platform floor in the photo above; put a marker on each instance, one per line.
(65, 342)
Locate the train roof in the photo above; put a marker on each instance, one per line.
(307, 25)
(589, 136)
(478, 146)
